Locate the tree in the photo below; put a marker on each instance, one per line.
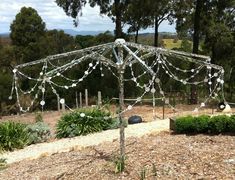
(114, 9)
(160, 11)
(209, 21)
(137, 16)
(27, 27)
(26, 30)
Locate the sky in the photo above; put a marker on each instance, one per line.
(55, 18)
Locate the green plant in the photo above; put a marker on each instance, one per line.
(82, 122)
(119, 164)
(218, 124)
(38, 117)
(13, 136)
(3, 163)
(154, 170)
(143, 173)
(231, 124)
(38, 132)
(184, 125)
(201, 124)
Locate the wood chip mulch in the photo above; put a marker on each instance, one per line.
(157, 156)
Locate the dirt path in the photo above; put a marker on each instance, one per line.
(68, 144)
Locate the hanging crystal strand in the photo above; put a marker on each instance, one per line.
(153, 90)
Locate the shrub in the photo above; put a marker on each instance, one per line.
(231, 124)
(82, 122)
(13, 136)
(38, 117)
(201, 123)
(205, 124)
(218, 124)
(184, 125)
(38, 132)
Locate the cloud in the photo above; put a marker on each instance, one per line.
(55, 17)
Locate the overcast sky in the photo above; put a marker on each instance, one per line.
(55, 18)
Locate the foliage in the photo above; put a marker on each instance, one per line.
(218, 124)
(3, 163)
(13, 136)
(82, 122)
(38, 117)
(119, 164)
(143, 173)
(38, 132)
(205, 124)
(27, 27)
(184, 125)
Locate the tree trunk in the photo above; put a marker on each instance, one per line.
(118, 20)
(136, 36)
(156, 32)
(196, 38)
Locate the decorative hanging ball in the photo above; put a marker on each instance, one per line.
(129, 107)
(138, 99)
(42, 103)
(14, 70)
(153, 90)
(10, 97)
(202, 104)
(58, 74)
(90, 65)
(62, 101)
(82, 115)
(74, 85)
(157, 80)
(86, 72)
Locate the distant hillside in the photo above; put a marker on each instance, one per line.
(6, 34)
(67, 31)
(83, 33)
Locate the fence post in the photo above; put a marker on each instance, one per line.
(80, 99)
(58, 103)
(99, 99)
(86, 97)
(76, 99)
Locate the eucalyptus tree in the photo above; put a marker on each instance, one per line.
(112, 8)
(160, 11)
(208, 22)
(137, 16)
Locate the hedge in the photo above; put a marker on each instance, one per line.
(205, 124)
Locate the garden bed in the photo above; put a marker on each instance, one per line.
(163, 156)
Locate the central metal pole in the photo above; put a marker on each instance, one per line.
(121, 119)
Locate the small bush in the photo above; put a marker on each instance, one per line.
(184, 125)
(82, 122)
(231, 124)
(38, 132)
(38, 117)
(13, 136)
(218, 124)
(201, 124)
(205, 124)
(3, 163)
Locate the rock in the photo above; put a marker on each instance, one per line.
(134, 119)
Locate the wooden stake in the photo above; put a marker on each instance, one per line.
(86, 97)
(80, 99)
(76, 99)
(99, 99)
